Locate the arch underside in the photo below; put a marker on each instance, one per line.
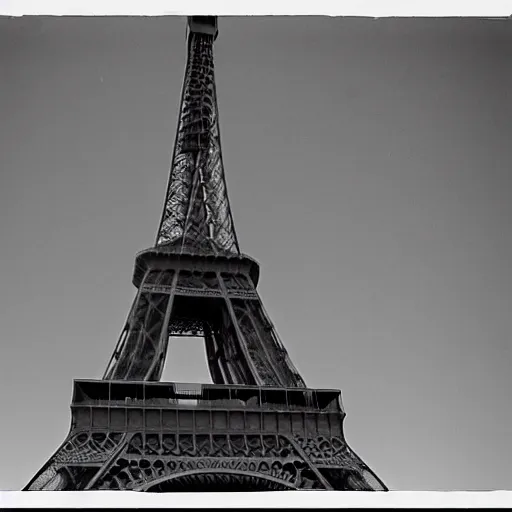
(219, 480)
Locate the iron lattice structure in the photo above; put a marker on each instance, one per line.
(257, 427)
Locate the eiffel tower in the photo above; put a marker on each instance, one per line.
(257, 427)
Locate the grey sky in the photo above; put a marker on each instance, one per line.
(368, 167)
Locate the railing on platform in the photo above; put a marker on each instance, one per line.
(211, 396)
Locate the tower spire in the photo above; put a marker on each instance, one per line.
(197, 217)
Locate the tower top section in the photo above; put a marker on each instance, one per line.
(203, 25)
(197, 216)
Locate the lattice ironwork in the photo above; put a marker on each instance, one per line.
(147, 460)
(143, 339)
(261, 429)
(82, 448)
(197, 216)
(172, 461)
(242, 344)
(186, 327)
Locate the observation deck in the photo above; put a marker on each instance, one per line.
(205, 408)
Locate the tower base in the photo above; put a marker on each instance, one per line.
(170, 437)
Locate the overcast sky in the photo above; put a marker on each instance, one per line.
(368, 167)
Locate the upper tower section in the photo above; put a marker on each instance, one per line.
(197, 217)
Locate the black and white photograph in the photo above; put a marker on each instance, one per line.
(255, 253)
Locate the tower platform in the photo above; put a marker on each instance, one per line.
(168, 437)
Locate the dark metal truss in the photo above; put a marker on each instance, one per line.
(258, 427)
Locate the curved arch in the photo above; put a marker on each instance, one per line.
(260, 480)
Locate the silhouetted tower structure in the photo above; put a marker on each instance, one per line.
(258, 427)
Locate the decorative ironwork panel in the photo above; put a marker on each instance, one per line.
(351, 473)
(82, 448)
(180, 326)
(153, 456)
(198, 283)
